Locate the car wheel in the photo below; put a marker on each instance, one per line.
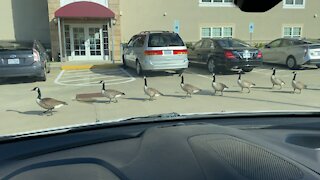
(211, 65)
(48, 68)
(247, 69)
(43, 77)
(139, 70)
(124, 64)
(291, 63)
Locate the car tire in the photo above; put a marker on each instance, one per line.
(248, 69)
(124, 64)
(211, 65)
(43, 77)
(48, 69)
(139, 70)
(291, 63)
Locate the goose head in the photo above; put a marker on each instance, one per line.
(273, 71)
(35, 89)
(182, 78)
(240, 72)
(214, 77)
(294, 75)
(145, 81)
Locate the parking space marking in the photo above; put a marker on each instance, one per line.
(91, 77)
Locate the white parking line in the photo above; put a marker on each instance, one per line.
(90, 77)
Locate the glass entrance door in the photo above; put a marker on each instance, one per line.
(85, 42)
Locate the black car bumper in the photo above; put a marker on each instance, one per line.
(34, 70)
(235, 63)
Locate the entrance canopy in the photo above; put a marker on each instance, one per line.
(84, 9)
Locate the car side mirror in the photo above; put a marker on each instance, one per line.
(267, 46)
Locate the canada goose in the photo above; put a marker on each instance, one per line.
(297, 84)
(48, 103)
(244, 83)
(188, 88)
(218, 86)
(110, 93)
(275, 80)
(151, 92)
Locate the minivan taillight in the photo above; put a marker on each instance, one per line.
(36, 55)
(259, 54)
(153, 52)
(229, 55)
(183, 51)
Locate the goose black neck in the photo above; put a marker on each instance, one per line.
(294, 77)
(214, 79)
(39, 94)
(145, 82)
(274, 72)
(182, 80)
(239, 76)
(103, 86)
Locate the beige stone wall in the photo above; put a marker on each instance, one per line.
(141, 15)
(53, 5)
(114, 5)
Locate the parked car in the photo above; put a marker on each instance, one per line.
(292, 52)
(156, 51)
(221, 54)
(23, 59)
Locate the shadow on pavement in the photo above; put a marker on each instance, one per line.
(17, 80)
(175, 96)
(137, 99)
(39, 113)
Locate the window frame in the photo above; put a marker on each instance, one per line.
(216, 4)
(292, 27)
(294, 5)
(222, 31)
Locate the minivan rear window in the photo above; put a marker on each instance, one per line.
(4, 45)
(164, 40)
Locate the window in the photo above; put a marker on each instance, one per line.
(275, 43)
(139, 42)
(294, 4)
(216, 3)
(207, 44)
(292, 32)
(216, 32)
(164, 40)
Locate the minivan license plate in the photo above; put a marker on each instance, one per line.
(166, 52)
(246, 55)
(13, 61)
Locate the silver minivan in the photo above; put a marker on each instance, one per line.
(156, 51)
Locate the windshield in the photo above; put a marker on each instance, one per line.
(101, 61)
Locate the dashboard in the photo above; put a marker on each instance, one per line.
(221, 148)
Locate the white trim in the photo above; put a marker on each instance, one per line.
(292, 26)
(216, 4)
(217, 26)
(294, 5)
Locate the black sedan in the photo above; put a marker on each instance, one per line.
(224, 54)
(23, 59)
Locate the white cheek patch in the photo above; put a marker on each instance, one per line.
(195, 91)
(156, 95)
(117, 95)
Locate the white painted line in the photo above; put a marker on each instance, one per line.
(87, 75)
(58, 77)
(88, 72)
(203, 76)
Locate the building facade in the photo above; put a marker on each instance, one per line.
(197, 19)
(94, 29)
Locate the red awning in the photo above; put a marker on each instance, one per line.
(84, 9)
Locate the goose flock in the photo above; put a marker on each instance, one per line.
(49, 104)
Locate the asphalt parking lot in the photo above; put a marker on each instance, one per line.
(19, 111)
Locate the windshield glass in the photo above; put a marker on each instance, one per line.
(164, 40)
(121, 59)
(228, 43)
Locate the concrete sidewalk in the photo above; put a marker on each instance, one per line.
(80, 65)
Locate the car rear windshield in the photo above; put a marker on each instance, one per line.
(231, 43)
(164, 40)
(15, 45)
